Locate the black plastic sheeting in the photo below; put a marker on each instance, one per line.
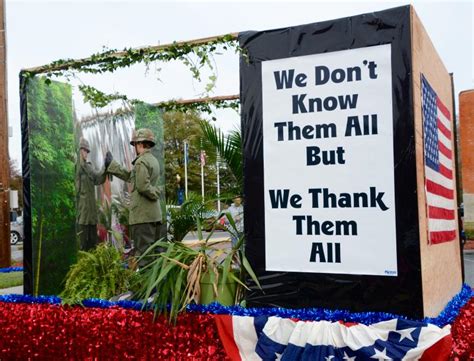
(25, 149)
(401, 294)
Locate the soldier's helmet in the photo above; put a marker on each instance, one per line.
(143, 135)
(84, 144)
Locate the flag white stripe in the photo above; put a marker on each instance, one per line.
(301, 333)
(245, 337)
(448, 163)
(445, 140)
(446, 122)
(337, 335)
(438, 201)
(279, 329)
(439, 225)
(438, 178)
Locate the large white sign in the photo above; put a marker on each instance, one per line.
(328, 163)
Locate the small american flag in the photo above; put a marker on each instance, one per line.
(203, 158)
(439, 178)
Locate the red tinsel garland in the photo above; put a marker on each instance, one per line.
(462, 331)
(49, 332)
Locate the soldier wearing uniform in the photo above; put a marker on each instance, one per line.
(86, 179)
(145, 211)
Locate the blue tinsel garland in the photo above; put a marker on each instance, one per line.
(447, 316)
(11, 269)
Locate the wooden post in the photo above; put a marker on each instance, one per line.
(5, 255)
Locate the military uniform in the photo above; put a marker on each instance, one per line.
(86, 208)
(145, 211)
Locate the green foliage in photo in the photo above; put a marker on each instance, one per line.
(51, 136)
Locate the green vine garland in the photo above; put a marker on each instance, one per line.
(100, 99)
(195, 56)
(109, 61)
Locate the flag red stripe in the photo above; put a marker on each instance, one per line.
(443, 109)
(448, 173)
(226, 333)
(439, 351)
(443, 149)
(442, 236)
(443, 129)
(439, 190)
(348, 324)
(440, 213)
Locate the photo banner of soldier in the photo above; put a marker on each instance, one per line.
(329, 165)
(70, 203)
(328, 155)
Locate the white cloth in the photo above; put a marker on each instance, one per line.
(237, 213)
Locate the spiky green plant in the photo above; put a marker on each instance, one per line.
(174, 273)
(183, 218)
(230, 150)
(97, 274)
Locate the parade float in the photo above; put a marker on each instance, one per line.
(351, 226)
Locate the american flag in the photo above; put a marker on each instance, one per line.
(439, 175)
(274, 338)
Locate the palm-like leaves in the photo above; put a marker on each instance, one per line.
(229, 148)
(182, 219)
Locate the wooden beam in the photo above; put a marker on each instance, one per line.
(91, 118)
(5, 253)
(120, 54)
(201, 100)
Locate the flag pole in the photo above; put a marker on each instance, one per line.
(202, 175)
(185, 170)
(218, 185)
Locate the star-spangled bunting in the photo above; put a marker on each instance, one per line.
(270, 338)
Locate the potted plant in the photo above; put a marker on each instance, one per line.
(178, 274)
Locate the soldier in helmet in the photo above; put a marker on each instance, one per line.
(145, 211)
(86, 180)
